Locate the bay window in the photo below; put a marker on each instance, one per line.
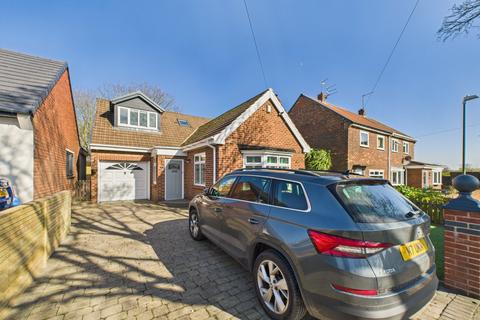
(266, 160)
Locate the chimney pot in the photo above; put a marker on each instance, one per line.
(322, 97)
(362, 112)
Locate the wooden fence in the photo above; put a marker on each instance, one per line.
(81, 190)
(435, 211)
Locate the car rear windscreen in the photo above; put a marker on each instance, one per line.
(374, 201)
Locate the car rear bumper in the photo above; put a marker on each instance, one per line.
(397, 305)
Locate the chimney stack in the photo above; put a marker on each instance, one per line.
(362, 112)
(322, 97)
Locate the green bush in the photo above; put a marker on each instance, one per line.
(429, 201)
(318, 159)
(419, 195)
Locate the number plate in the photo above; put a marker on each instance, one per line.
(413, 249)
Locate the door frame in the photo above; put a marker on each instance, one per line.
(99, 178)
(166, 161)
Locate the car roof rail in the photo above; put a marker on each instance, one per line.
(316, 173)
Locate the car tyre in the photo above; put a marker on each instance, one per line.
(194, 226)
(276, 287)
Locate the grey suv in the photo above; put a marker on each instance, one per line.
(335, 246)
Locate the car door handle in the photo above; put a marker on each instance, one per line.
(253, 221)
(217, 209)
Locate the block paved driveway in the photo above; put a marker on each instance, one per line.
(137, 261)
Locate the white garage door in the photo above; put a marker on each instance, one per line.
(123, 181)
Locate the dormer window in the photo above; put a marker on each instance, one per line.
(135, 118)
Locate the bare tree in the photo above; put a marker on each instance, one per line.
(460, 20)
(155, 93)
(85, 110)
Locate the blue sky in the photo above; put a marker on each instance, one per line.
(201, 52)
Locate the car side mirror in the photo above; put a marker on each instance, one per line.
(206, 191)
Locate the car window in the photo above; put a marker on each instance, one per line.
(289, 195)
(249, 188)
(222, 187)
(374, 202)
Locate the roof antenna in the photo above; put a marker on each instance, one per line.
(363, 98)
(327, 89)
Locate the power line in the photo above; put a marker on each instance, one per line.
(393, 49)
(255, 42)
(445, 131)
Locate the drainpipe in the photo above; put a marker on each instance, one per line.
(388, 156)
(214, 163)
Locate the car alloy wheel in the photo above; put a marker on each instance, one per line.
(194, 228)
(273, 287)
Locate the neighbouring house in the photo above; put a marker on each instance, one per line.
(38, 129)
(360, 144)
(424, 175)
(141, 151)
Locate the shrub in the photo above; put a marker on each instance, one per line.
(318, 159)
(419, 195)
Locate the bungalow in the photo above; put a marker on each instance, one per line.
(141, 151)
(38, 128)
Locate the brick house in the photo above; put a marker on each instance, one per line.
(360, 144)
(38, 127)
(175, 156)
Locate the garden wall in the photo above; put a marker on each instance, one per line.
(28, 235)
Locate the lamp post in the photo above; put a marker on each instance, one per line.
(465, 99)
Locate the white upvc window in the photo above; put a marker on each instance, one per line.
(265, 160)
(135, 118)
(397, 177)
(380, 142)
(199, 169)
(364, 139)
(437, 177)
(406, 147)
(395, 145)
(375, 173)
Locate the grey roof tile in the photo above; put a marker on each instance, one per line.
(25, 81)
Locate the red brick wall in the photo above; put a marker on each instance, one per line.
(462, 251)
(322, 129)
(260, 129)
(371, 157)
(55, 130)
(191, 189)
(116, 156)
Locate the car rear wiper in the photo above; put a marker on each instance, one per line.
(412, 213)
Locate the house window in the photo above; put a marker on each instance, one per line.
(183, 123)
(123, 116)
(380, 142)
(266, 161)
(406, 147)
(364, 139)
(199, 169)
(376, 174)
(69, 164)
(134, 118)
(437, 177)
(394, 145)
(398, 177)
(426, 183)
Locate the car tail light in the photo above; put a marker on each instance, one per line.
(362, 292)
(344, 247)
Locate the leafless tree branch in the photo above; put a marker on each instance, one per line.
(460, 20)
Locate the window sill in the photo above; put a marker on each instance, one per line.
(199, 185)
(365, 146)
(381, 149)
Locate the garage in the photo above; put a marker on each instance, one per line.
(123, 181)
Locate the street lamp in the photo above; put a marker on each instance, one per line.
(465, 99)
